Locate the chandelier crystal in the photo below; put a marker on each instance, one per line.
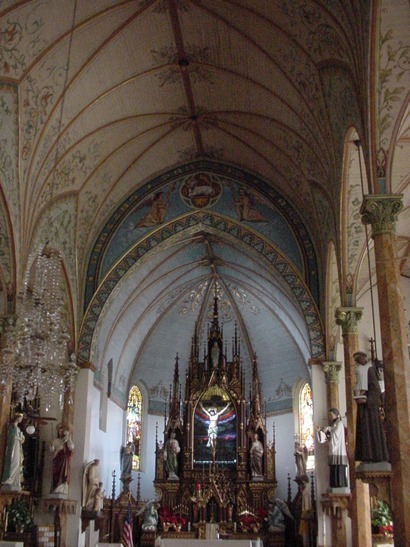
(36, 352)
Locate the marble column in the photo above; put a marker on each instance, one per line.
(348, 318)
(335, 504)
(380, 211)
(331, 370)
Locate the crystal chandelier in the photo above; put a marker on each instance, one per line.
(36, 354)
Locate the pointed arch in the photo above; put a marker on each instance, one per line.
(352, 230)
(333, 301)
(210, 221)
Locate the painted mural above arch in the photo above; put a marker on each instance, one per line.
(204, 185)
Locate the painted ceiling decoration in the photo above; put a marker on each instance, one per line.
(204, 185)
(166, 145)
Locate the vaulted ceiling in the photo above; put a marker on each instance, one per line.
(102, 97)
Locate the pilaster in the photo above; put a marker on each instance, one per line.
(332, 370)
(348, 318)
(380, 211)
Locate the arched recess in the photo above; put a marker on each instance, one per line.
(199, 221)
(352, 230)
(303, 420)
(7, 261)
(398, 181)
(333, 301)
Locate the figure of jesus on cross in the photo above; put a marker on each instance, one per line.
(213, 416)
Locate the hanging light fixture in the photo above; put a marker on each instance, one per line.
(36, 354)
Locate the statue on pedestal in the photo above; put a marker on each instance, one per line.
(334, 434)
(256, 454)
(370, 440)
(171, 451)
(13, 461)
(62, 447)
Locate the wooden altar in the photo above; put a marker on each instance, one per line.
(215, 425)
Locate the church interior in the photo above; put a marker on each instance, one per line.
(204, 272)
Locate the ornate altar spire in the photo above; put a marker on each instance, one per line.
(215, 343)
(174, 420)
(256, 420)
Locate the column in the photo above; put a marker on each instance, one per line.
(348, 318)
(381, 213)
(335, 504)
(331, 370)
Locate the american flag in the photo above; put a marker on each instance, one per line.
(126, 538)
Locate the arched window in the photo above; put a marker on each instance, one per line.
(134, 424)
(306, 428)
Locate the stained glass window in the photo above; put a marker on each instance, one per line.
(306, 429)
(134, 424)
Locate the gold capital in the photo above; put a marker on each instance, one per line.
(381, 212)
(348, 319)
(331, 370)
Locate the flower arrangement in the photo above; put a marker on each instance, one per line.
(250, 522)
(19, 516)
(381, 518)
(171, 521)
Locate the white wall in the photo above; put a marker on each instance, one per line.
(285, 448)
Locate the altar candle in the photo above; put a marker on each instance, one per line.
(189, 526)
(234, 527)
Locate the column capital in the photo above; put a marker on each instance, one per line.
(348, 319)
(87, 365)
(381, 212)
(331, 370)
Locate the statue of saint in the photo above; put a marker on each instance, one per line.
(334, 434)
(13, 462)
(215, 355)
(256, 454)
(301, 456)
(171, 451)
(370, 440)
(62, 447)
